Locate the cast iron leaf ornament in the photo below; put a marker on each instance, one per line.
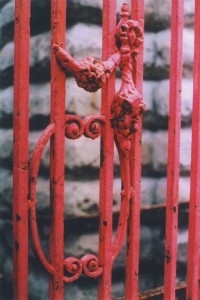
(91, 74)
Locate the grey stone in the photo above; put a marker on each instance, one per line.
(2, 3)
(147, 147)
(182, 246)
(149, 50)
(38, 284)
(160, 150)
(7, 56)
(7, 14)
(148, 188)
(163, 46)
(184, 190)
(6, 145)
(148, 90)
(161, 99)
(149, 240)
(6, 190)
(158, 14)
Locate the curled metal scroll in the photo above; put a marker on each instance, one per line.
(90, 127)
(88, 265)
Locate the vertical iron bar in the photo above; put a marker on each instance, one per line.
(174, 125)
(133, 234)
(194, 208)
(20, 148)
(106, 164)
(57, 162)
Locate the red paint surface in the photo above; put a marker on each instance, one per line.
(20, 149)
(194, 209)
(107, 149)
(133, 234)
(177, 19)
(57, 152)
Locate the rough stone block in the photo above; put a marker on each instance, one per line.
(162, 55)
(182, 245)
(161, 100)
(147, 148)
(148, 188)
(160, 190)
(160, 151)
(158, 14)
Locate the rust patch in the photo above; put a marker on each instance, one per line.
(105, 223)
(18, 217)
(174, 209)
(167, 257)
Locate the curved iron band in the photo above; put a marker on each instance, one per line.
(124, 208)
(33, 175)
(90, 127)
(89, 264)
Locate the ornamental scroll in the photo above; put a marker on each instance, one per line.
(127, 108)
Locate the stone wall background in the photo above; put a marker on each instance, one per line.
(82, 156)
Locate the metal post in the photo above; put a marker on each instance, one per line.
(20, 148)
(57, 163)
(133, 234)
(177, 17)
(106, 167)
(194, 206)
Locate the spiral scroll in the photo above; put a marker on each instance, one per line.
(75, 127)
(88, 265)
(93, 126)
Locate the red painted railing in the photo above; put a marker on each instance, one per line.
(119, 123)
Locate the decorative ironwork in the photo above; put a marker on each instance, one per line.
(90, 73)
(88, 265)
(127, 109)
(75, 127)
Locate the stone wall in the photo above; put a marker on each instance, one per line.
(82, 156)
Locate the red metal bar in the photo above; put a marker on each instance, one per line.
(177, 20)
(133, 234)
(58, 21)
(106, 167)
(194, 208)
(20, 148)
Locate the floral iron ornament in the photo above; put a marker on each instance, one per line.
(127, 107)
(91, 74)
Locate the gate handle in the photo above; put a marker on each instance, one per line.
(90, 73)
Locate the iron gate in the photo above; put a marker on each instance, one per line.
(119, 122)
